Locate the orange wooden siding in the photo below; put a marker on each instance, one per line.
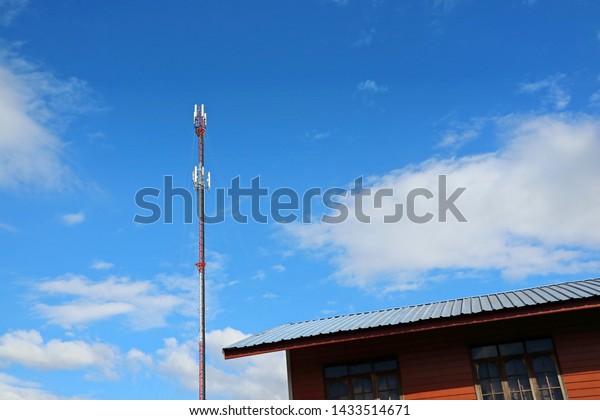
(441, 371)
(437, 365)
(579, 357)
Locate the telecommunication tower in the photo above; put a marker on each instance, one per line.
(201, 184)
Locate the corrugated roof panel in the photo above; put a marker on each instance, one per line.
(405, 317)
(558, 293)
(466, 307)
(592, 286)
(388, 317)
(438, 308)
(505, 301)
(544, 296)
(376, 319)
(308, 329)
(428, 310)
(570, 291)
(475, 305)
(514, 299)
(400, 315)
(496, 304)
(525, 298)
(447, 311)
(457, 307)
(373, 320)
(418, 314)
(342, 323)
(406, 314)
(285, 334)
(486, 305)
(328, 326)
(535, 297)
(583, 291)
(580, 290)
(409, 314)
(266, 336)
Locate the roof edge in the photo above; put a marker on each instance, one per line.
(432, 303)
(232, 352)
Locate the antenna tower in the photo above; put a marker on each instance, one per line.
(201, 184)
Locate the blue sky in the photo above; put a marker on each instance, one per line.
(96, 102)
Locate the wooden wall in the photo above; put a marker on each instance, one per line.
(431, 365)
(437, 365)
(579, 357)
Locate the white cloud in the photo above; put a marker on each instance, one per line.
(340, 2)
(371, 86)
(137, 360)
(10, 9)
(86, 301)
(34, 105)
(462, 133)
(12, 388)
(112, 288)
(102, 265)
(261, 377)
(458, 138)
(179, 361)
(260, 275)
(321, 135)
(28, 348)
(8, 228)
(556, 94)
(440, 9)
(531, 207)
(447, 5)
(279, 268)
(187, 287)
(249, 378)
(142, 304)
(316, 135)
(269, 295)
(82, 313)
(72, 219)
(365, 38)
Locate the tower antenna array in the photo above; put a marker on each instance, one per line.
(201, 184)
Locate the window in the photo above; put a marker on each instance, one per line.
(523, 370)
(377, 380)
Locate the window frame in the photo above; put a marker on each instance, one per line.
(372, 375)
(527, 357)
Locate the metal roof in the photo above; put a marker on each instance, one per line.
(409, 314)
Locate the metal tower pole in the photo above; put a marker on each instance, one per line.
(201, 183)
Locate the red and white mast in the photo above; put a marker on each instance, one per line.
(201, 183)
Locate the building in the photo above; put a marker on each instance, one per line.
(537, 343)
